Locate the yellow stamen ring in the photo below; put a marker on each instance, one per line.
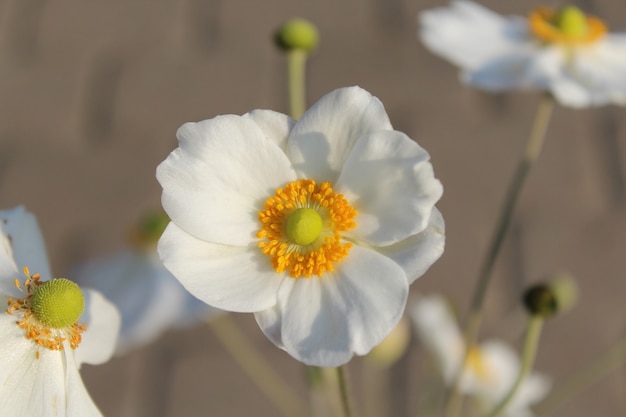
(39, 329)
(301, 228)
(568, 26)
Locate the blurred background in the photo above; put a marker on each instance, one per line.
(91, 95)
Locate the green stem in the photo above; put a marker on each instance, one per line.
(343, 391)
(533, 333)
(530, 155)
(584, 378)
(296, 65)
(256, 367)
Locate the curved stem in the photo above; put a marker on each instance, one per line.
(256, 367)
(531, 343)
(530, 155)
(585, 377)
(296, 60)
(343, 391)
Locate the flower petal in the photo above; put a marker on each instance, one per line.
(469, 34)
(388, 179)
(103, 326)
(322, 139)
(325, 320)
(29, 248)
(31, 386)
(270, 323)
(230, 278)
(217, 180)
(276, 126)
(417, 253)
(594, 75)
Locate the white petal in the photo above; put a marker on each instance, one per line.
(231, 278)
(215, 183)
(31, 386)
(469, 34)
(594, 75)
(438, 330)
(417, 253)
(276, 126)
(388, 179)
(103, 326)
(323, 138)
(270, 323)
(8, 269)
(325, 320)
(29, 248)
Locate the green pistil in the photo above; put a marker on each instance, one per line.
(571, 21)
(304, 226)
(58, 303)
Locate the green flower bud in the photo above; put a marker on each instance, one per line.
(58, 303)
(297, 34)
(548, 299)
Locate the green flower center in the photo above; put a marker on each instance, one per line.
(571, 21)
(304, 226)
(58, 303)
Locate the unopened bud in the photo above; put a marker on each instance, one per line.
(297, 34)
(548, 299)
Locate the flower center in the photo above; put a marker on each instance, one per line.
(49, 311)
(476, 364)
(304, 226)
(58, 303)
(301, 228)
(566, 26)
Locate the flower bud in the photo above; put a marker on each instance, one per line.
(393, 347)
(297, 34)
(548, 299)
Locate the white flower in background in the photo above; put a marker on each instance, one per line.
(317, 226)
(563, 51)
(491, 369)
(49, 327)
(147, 295)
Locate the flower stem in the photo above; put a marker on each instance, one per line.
(343, 391)
(585, 377)
(296, 60)
(531, 343)
(530, 155)
(256, 367)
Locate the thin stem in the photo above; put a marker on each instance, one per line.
(343, 391)
(256, 367)
(530, 155)
(296, 60)
(585, 377)
(533, 333)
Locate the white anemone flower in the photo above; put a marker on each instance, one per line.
(318, 227)
(491, 369)
(45, 333)
(149, 298)
(562, 51)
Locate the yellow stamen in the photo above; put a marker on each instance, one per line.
(42, 334)
(476, 364)
(294, 240)
(568, 26)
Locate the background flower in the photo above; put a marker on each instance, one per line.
(491, 369)
(36, 380)
(561, 51)
(324, 285)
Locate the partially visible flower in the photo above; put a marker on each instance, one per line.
(49, 327)
(317, 226)
(390, 350)
(563, 51)
(491, 369)
(147, 295)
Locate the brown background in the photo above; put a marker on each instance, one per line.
(91, 94)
